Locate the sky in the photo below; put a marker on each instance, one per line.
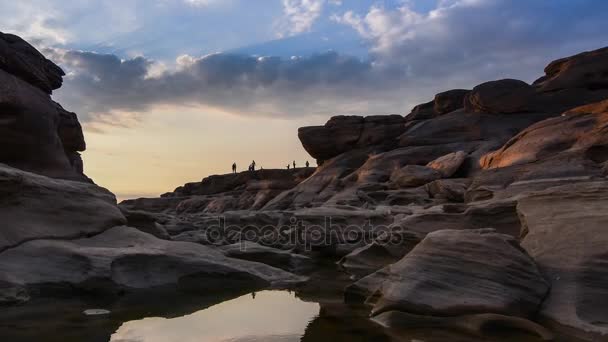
(171, 91)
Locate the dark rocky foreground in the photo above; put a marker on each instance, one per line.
(481, 208)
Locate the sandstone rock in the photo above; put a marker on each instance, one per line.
(443, 103)
(370, 258)
(566, 235)
(423, 111)
(578, 131)
(19, 58)
(586, 70)
(452, 190)
(128, 259)
(339, 135)
(499, 214)
(38, 207)
(484, 326)
(36, 134)
(448, 164)
(414, 175)
(343, 133)
(450, 100)
(146, 222)
(460, 127)
(463, 272)
(282, 259)
(502, 96)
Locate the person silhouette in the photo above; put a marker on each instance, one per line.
(233, 167)
(253, 165)
(307, 164)
(294, 164)
(288, 166)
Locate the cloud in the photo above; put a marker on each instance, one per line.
(98, 85)
(412, 55)
(487, 37)
(299, 16)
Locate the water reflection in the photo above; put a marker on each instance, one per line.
(273, 316)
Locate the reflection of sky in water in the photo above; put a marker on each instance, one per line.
(273, 316)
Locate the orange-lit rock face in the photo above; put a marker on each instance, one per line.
(581, 130)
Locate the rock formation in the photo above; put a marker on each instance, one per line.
(481, 207)
(36, 134)
(491, 157)
(60, 231)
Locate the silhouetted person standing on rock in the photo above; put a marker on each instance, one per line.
(288, 166)
(253, 165)
(307, 164)
(233, 167)
(294, 164)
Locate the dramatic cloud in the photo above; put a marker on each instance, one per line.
(502, 36)
(413, 54)
(99, 84)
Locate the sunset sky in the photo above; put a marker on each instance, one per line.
(170, 91)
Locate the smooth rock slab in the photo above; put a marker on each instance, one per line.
(278, 258)
(567, 236)
(38, 207)
(460, 272)
(127, 259)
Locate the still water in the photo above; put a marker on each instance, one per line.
(264, 316)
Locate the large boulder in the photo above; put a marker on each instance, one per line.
(461, 272)
(566, 234)
(37, 207)
(502, 96)
(343, 133)
(19, 58)
(125, 258)
(443, 103)
(586, 70)
(450, 100)
(578, 131)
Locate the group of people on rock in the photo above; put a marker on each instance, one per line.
(252, 166)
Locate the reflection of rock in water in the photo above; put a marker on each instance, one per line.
(338, 322)
(479, 327)
(63, 321)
